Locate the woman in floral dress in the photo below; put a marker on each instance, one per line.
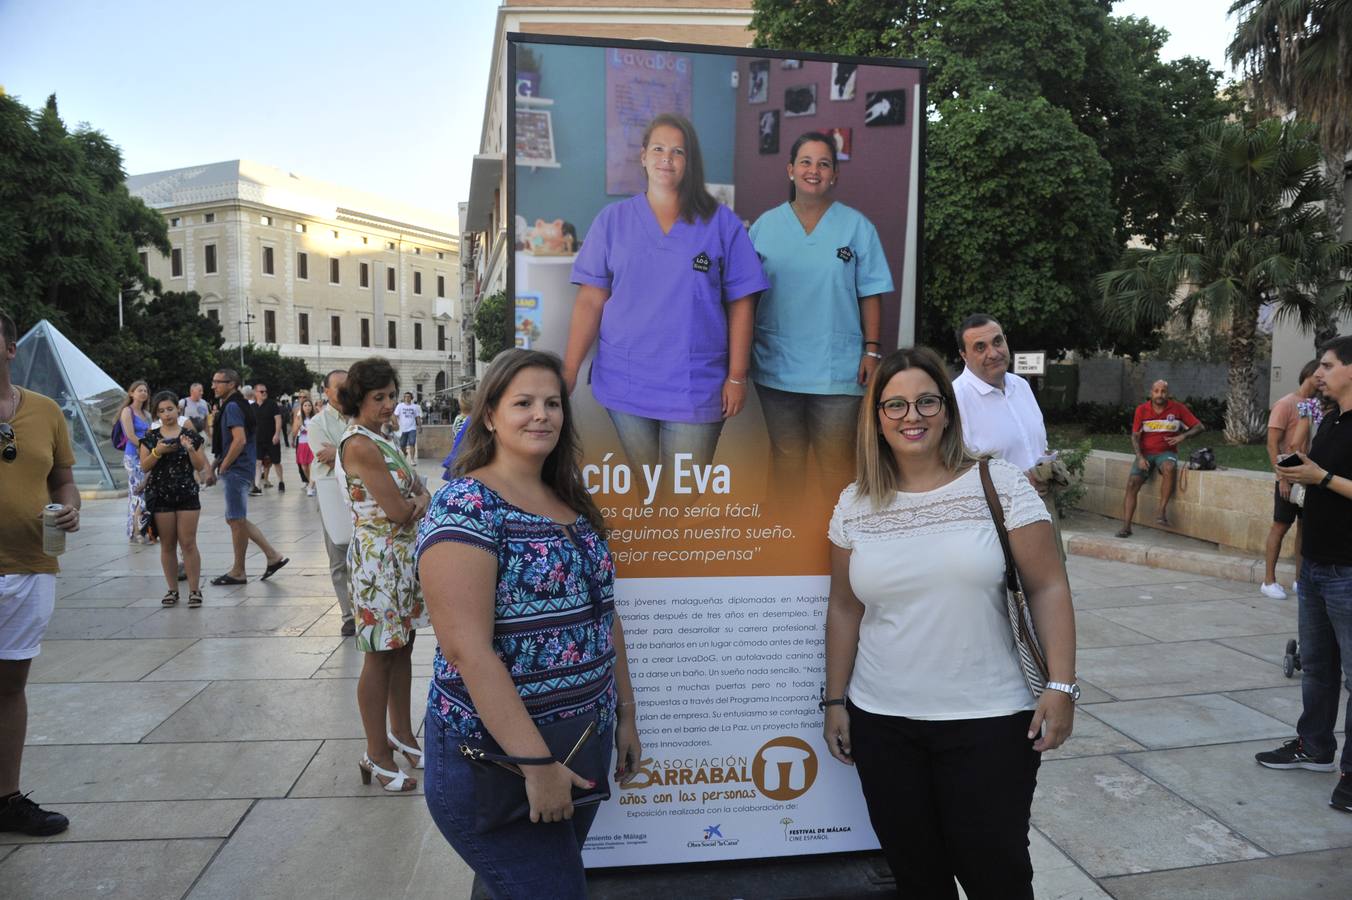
(388, 501)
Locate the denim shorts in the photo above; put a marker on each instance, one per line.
(236, 490)
(1154, 461)
(521, 860)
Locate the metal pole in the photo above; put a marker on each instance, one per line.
(119, 309)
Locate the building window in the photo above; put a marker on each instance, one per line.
(440, 255)
(417, 282)
(336, 330)
(303, 326)
(389, 279)
(144, 257)
(365, 240)
(417, 335)
(441, 338)
(441, 285)
(303, 266)
(269, 326)
(393, 341)
(209, 218)
(215, 316)
(176, 263)
(335, 234)
(300, 228)
(265, 220)
(364, 274)
(333, 271)
(174, 221)
(366, 332)
(267, 261)
(417, 251)
(389, 245)
(209, 259)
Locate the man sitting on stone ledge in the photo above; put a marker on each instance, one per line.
(1159, 426)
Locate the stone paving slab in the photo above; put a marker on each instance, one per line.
(83, 661)
(1113, 820)
(94, 624)
(201, 771)
(278, 621)
(285, 848)
(1162, 670)
(157, 870)
(1279, 811)
(333, 772)
(1202, 620)
(1091, 737)
(102, 713)
(1093, 629)
(1188, 721)
(1308, 876)
(219, 659)
(143, 821)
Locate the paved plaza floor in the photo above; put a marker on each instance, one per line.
(211, 753)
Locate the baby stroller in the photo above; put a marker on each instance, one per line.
(1291, 661)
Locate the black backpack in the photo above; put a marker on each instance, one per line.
(1202, 459)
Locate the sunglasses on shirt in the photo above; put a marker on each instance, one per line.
(11, 451)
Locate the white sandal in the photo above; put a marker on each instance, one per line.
(413, 754)
(396, 782)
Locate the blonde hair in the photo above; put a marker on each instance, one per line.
(876, 465)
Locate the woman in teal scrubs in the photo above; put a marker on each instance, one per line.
(817, 326)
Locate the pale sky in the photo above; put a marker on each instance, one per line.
(382, 97)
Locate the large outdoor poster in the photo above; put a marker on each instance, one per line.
(720, 547)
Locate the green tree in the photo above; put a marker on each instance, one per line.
(1297, 55)
(71, 230)
(493, 326)
(1056, 66)
(165, 341)
(1251, 231)
(282, 374)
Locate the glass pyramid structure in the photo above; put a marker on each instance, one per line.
(48, 363)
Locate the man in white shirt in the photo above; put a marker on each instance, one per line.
(1000, 415)
(408, 413)
(326, 433)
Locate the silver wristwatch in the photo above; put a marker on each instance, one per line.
(1072, 689)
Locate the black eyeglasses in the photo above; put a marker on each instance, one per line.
(11, 451)
(926, 405)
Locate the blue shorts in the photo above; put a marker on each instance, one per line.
(1152, 462)
(236, 489)
(407, 439)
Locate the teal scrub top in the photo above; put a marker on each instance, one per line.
(808, 337)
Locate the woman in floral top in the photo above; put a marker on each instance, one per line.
(388, 500)
(520, 583)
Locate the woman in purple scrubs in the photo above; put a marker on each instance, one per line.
(666, 282)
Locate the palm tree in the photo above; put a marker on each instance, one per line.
(1251, 231)
(1297, 54)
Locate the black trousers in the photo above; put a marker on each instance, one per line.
(950, 799)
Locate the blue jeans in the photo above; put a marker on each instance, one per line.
(521, 861)
(648, 442)
(1325, 656)
(824, 422)
(235, 485)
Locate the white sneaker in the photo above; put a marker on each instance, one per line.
(1275, 591)
(310, 491)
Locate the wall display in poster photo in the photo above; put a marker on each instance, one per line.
(758, 81)
(800, 100)
(791, 64)
(842, 81)
(768, 123)
(885, 108)
(843, 138)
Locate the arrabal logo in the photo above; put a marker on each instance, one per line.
(785, 768)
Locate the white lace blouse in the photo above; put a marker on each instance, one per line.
(935, 641)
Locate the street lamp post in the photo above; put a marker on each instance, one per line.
(244, 323)
(319, 352)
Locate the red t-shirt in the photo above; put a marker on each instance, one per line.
(1154, 426)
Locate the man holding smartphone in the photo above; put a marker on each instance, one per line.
(1325, 584)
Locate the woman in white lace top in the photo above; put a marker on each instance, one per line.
(924, 693)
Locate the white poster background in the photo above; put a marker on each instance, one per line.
(727, 673)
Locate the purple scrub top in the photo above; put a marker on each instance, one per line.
(663, 348)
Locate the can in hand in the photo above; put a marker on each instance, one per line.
(53, 538)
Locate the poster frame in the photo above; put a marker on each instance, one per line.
(921, 122)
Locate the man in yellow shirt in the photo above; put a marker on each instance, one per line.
(35, 469)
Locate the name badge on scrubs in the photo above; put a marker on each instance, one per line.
(845, 254)
(701, 263)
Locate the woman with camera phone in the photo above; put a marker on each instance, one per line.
(170, 455)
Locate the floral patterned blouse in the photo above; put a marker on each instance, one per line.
(554, 606)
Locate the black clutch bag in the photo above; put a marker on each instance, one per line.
(499, 784)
